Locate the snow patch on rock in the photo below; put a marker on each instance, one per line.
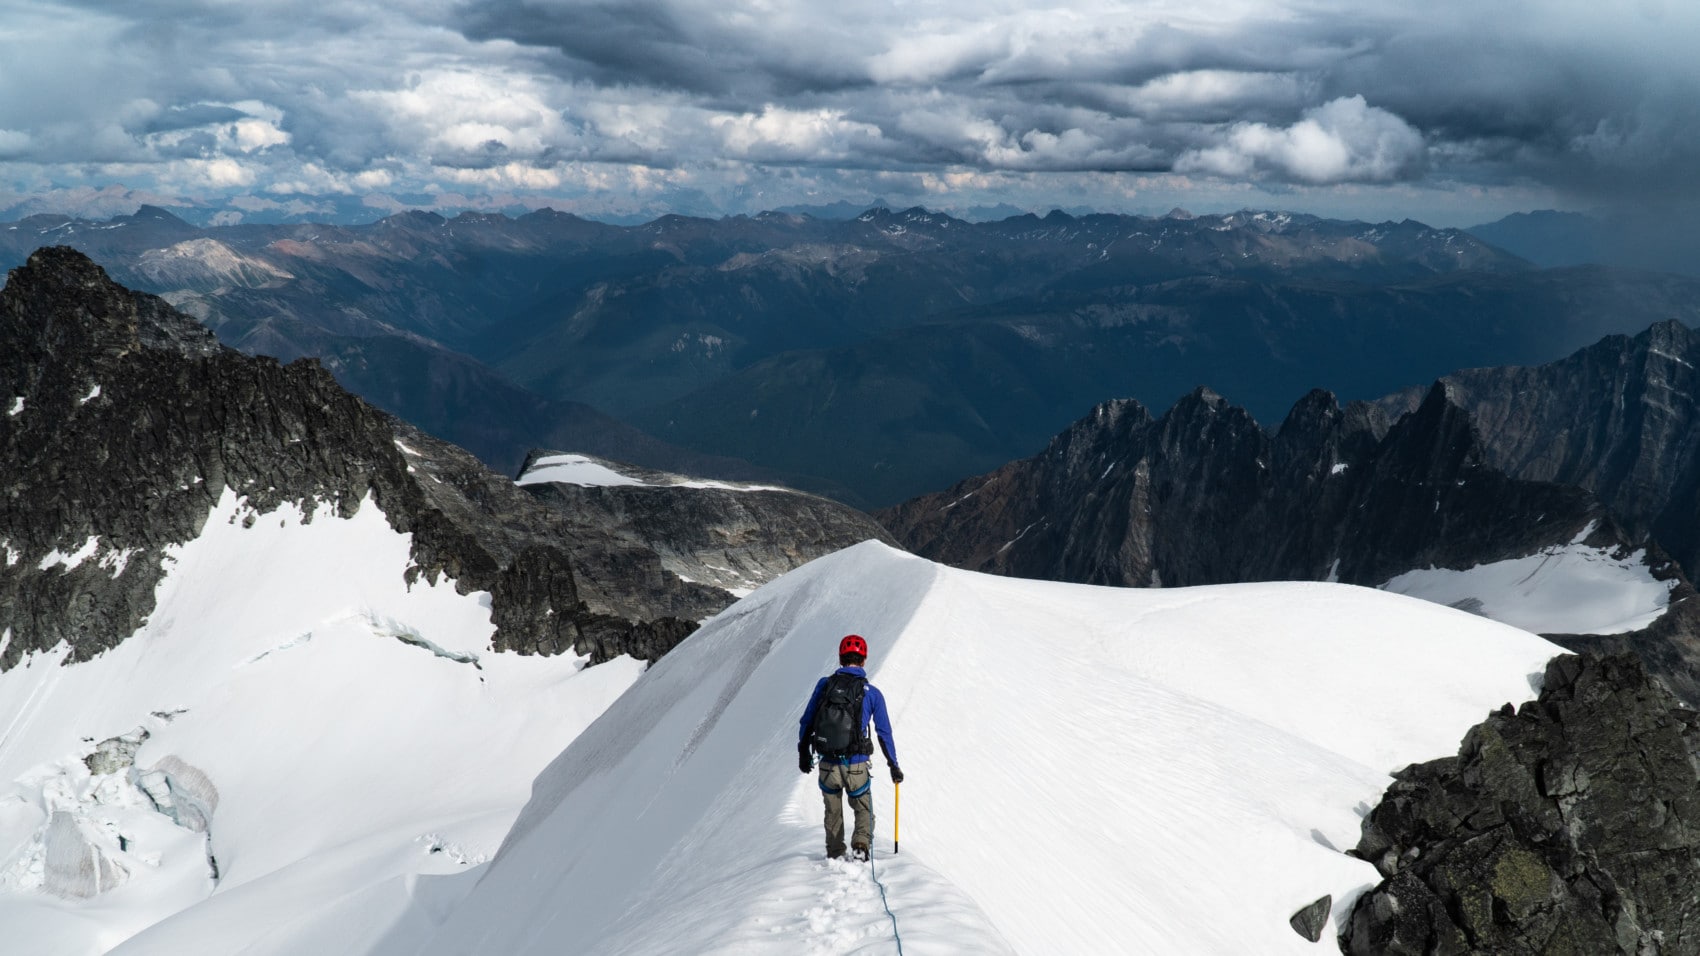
(591, 472)
(72, 561)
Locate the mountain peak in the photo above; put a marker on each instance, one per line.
(1202, 397)
(1318, 409)
(157, 214)
(91, 314)
(1668, 334)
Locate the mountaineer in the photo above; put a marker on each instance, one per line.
(835, 725)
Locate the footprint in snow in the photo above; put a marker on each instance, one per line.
(847, 915)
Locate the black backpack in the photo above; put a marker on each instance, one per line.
(837, 729)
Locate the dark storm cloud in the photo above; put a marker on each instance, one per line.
(1518, 90)
(663, 45)
(1603, 115)
(640, 43)
(719, 97)
(189, 117)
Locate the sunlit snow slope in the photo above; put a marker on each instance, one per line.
(342, 733)
(1090, 770)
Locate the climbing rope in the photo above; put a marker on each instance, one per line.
(884, 902)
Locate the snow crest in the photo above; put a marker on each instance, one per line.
(1089, 770)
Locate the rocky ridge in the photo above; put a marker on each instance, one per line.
(1570, 825)
(126, 421)
(1202, 495)
(731, 536)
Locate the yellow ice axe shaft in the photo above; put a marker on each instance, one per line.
(896, 816)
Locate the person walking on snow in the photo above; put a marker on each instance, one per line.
(835, 725)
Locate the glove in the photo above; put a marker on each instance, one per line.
(805, 760)
(896, 775)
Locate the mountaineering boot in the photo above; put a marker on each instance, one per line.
(835, 853)
(859, 853)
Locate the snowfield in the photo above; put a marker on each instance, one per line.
(290, 666)
(1090, 770)
(1568, 589)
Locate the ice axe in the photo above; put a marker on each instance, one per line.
(896, 816)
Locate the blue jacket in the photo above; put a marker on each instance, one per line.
(873, 707)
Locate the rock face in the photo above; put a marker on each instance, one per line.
(1204, 496)
(728, 535)
(1571, 826)
(123, 422)
(1617, 418)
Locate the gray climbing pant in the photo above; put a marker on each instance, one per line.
(838, 780)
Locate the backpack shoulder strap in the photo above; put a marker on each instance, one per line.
(863, 743)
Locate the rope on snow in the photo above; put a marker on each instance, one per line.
(883, 902)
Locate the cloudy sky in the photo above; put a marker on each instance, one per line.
(1453, 111)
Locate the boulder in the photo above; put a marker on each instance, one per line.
(1569, 825)
(1310, 921)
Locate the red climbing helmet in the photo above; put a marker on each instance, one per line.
(853, 644)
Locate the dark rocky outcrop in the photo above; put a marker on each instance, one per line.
(1204, 496)
(1568, 826)
(127, 421)
(1617, 418)
(1313, 919)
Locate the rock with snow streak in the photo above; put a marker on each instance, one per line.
(116, 753)
(125, 421)
(1571, 825)
(1203, 495)
(1617, 418)
(732, 535)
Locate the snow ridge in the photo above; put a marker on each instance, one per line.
(1155, 751)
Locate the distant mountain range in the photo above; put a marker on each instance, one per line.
(871, 358)
(1663, 241)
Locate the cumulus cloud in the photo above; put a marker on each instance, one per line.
(777, 134)
(1344, 140)
(471, 118)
